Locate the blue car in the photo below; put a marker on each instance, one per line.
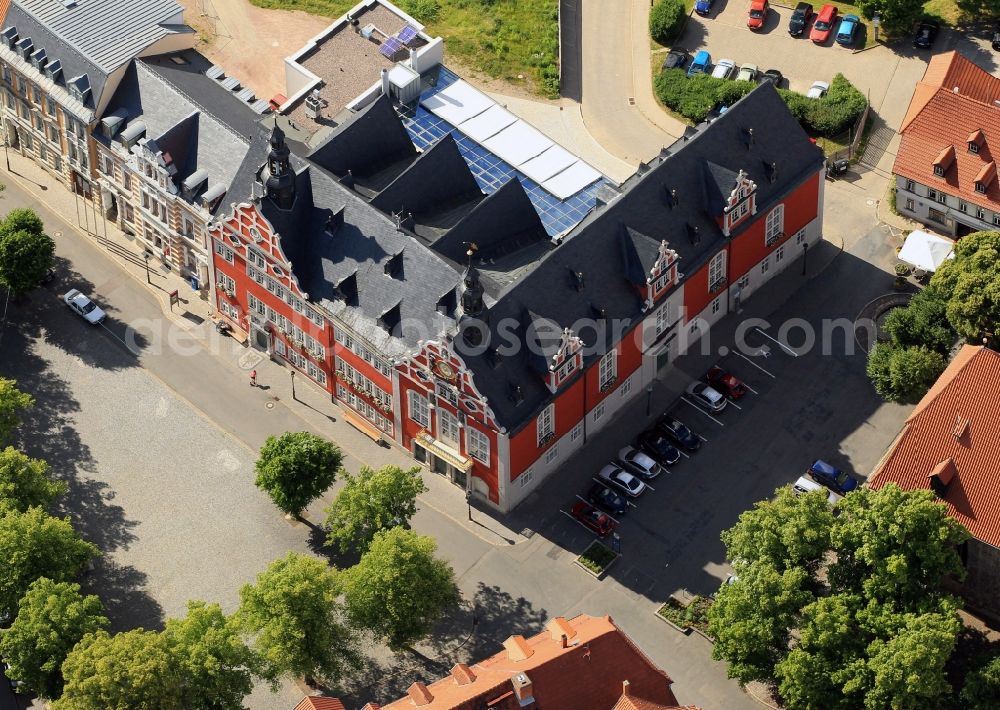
(700, 65)
(833, 478)
(703, 7)
(848, 28)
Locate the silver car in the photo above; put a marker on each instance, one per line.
(724, 69)
(84, 307)
(818, 89)
(706, 397)
(614, 476)
(748, 72)
(639, 463)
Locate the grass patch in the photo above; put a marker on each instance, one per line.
(596, 557)
(503, 39)
(693, 616)
(946, 11)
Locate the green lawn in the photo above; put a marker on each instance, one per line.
(505, 39)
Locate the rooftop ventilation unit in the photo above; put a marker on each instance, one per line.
(314, 105)
(25, 48)
(231, 84)
(215, 72)
(9, 36)
(53, 70)
(246, 95)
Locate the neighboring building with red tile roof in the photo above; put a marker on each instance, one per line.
(313, 703)
(582, 663)
(951, 444)
(946, 172)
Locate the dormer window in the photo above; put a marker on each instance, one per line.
(944, 160)
(986, 176)
(976, 140)
(973, 148)
(939, 171)
(980, 188)
(740, 203)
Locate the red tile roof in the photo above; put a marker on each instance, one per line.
(628, 701)
(587, 673)
(310, 703)
(954, 432)
(953, 102)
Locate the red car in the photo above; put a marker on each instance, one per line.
(726, 383)
(758, 14)
(823, 25)
(593, 519)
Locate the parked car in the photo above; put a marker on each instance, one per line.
(703, 7)
(757, 15)
(725, 382)
(748, 72)
(848, 28)
(657, 446)
(706, 397)
(824, 24)
(806, 485)
(818, 89)
(639, 463)
(724, 69)
(676, 59)
(593, 519)
(772, 76)
(833, 478)
(84, 307)
(926, 33)
(678, 432)
(700, 64)
(615, 476)
(799, 20)
(608, 500)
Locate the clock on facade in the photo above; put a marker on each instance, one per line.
(444, 370)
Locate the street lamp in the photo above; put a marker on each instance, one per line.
(292, 373)
(649, 398)
(145, 257)
(805, 253)
(876, 21)
(468, 502)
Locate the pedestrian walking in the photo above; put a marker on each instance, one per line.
(253, 378)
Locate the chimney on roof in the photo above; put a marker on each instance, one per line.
(942, 475)
(462, 674)
(565, 641)
(625, 689)
(419, 694)
(522, 689)
(385, 82)
(961, 428)
(955, 90)
(560, 628)
(517, 648)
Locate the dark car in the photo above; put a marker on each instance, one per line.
(676, 59)
(657, 446)
(593, 519)
(800, 19)
(678, 432)
(607, 500)
(925, 34)
(772, 76)
(833, 478)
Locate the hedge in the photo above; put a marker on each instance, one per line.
(666, 19)
(828, 116)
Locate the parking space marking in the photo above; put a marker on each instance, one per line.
(604, 483)
(695, 406)
(568, 515)
(683, 454)
(771, 375)
(617, 522)
(732, 403)
(778, 342)
(750, 388)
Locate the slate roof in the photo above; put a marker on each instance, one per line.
(195, 138)
(594, 248)
(939, 118)
(356, 253)
(955, 426)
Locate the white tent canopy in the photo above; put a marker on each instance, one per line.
(926, 251)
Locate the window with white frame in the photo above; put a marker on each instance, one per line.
(224, 251)
(774, 226)
(420, 411)
(256, 304)
(765, 265)
(739, 212)
(545, 425)
(779, 253)
(224, 282)
(552, 454)
(607, 370)
(716, 305)
(996, 218)
(109, 166)
(448, 393)
(626, 387)
(717, 271)
(478, 445)
(662, 320)
(576, 432)
(567, 368)
(363, 384)
(526, 477)
(662, 281)
(911, 186)
(598, 411)
(980, 213)
(255, 257)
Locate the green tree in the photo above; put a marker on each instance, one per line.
(972, 283)
(216, 666)
(896, 16)
(52, 618)
(666, 18)
(24, 482)
(25, 250)
(12, 401)
(399, 589)
(372, 501)
(135, 670)
(981, 690)
(903, 374)
(924, 322)
(34, 544)
(907, 670)
(789, 531)
(296, 468)
(974, 9)
(295, 619)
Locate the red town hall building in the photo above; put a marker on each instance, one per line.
(351, 263)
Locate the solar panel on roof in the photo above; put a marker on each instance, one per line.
(407, 34)
(389, 48)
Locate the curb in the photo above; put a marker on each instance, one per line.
(684, 630)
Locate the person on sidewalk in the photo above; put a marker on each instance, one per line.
(253, 378)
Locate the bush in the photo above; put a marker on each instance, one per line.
(828, 116)
(666, 19)
(696, 96)
(903, 374)
(597, 557)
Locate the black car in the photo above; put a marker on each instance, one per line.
(800, 19)
(657, 446)
(772, 76)
(676, 59)
(678, 432)
(924, 37)
(607, 500)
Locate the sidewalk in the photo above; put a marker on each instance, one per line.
(310, 405)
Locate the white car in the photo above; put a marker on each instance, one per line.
(724, 69)
(818, 90)
(614, 476)
(807, 485)
(748, 72)
(639, 463)
(706, 397)
(84, 307)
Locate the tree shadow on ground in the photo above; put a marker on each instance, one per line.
(120, 589)
(333, 555)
